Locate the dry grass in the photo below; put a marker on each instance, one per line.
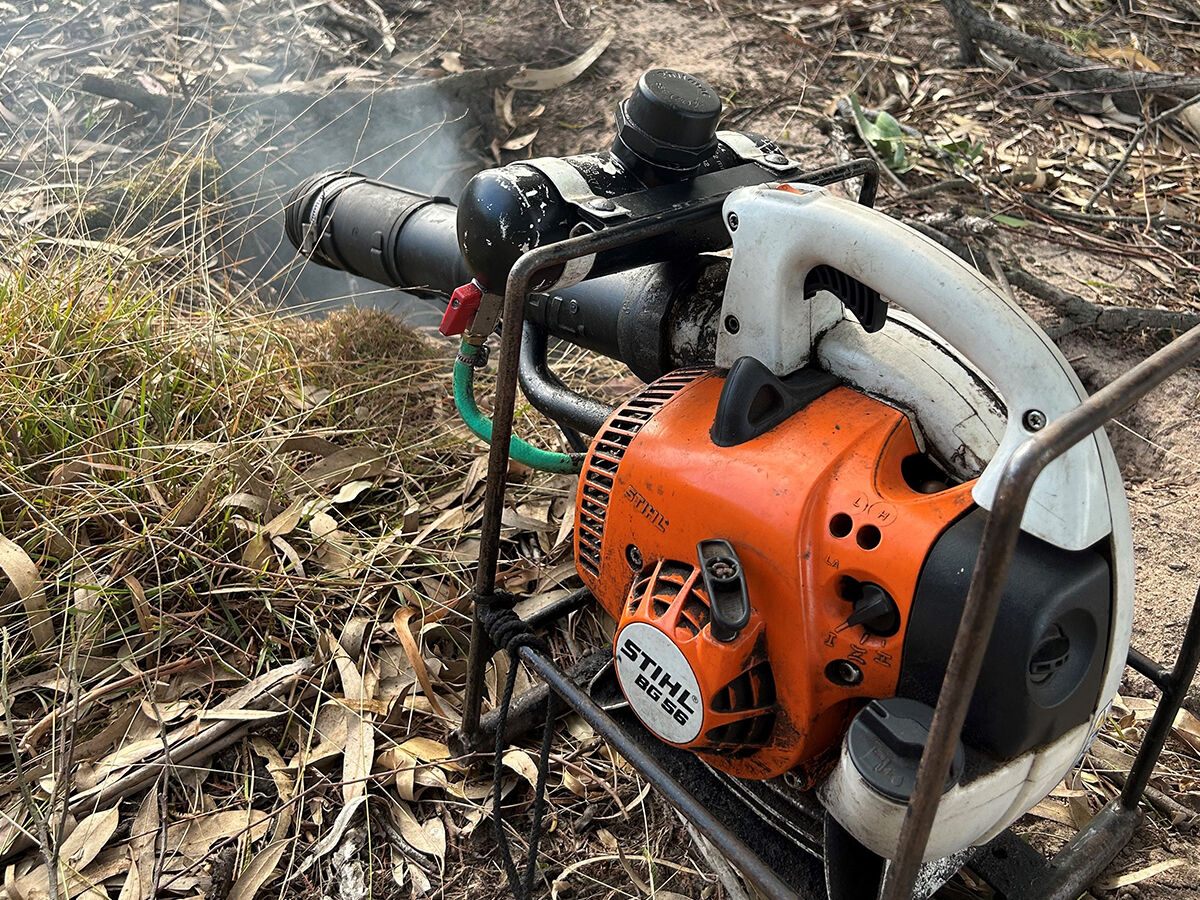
(237, 547)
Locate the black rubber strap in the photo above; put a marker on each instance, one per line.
(508, 631)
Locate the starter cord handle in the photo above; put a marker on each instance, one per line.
(481, 425)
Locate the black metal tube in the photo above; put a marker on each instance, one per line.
(987, 583)
(1144, 665)
(733, 848)
(385, 233)
(1089, 853)
(1174, 694)
(549, 395)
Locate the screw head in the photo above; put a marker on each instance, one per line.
(732, 325)
(1034, 420)
(775, 159)
(633, 556)
(733, 221)
(844, 673)
(603, 204)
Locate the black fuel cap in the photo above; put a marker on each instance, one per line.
(669, 121)
(885, 742)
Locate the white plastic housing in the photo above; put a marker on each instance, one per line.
(782, 235)
(966, 364)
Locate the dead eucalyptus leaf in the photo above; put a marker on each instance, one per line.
(549, 79)
(359, 753)
(310, 443)
(257, 552)
(285, 784)
(404, 632)
(1130, 56)
(191, 506)
(349, 464)
(286, 521)
(141, 605)
(89, 838)
(426, 749)
(428, 838)
(352, 491)
(1120, 881)
(333, 836)
(258, 871)
(79, 849)
(322, 524)
(1187, 728)
(519, 142)
(23, 574)
(1055, 812)
(139, 884)
(522, 763)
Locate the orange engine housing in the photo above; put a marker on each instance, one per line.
(815, 508)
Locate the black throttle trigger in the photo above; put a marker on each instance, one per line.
(865, 303)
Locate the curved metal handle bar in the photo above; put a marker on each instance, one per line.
(549, 395)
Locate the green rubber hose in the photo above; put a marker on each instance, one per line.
(481, 425)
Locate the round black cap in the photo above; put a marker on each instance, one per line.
(669, 121)
(885, 742)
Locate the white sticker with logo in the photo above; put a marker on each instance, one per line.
(659, 683)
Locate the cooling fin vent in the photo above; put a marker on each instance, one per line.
(751, 696)
(662, 587)
(605, 457)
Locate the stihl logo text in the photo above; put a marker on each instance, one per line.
(657, 684)
(646, 508)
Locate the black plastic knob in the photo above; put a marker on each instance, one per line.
(669, 122)
(876, 611)
(885, 743)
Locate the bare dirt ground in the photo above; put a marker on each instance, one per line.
(98, 99)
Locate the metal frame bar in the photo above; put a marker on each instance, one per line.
(987, 583)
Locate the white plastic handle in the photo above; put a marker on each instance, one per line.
(780, 235)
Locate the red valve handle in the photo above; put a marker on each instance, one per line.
(461, 309)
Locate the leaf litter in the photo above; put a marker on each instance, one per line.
(198, 497)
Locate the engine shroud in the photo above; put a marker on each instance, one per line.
(816, 508)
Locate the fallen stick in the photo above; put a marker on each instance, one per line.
(1109, 319)
(1133, 141)
(1075, 310)
(1128, 88)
